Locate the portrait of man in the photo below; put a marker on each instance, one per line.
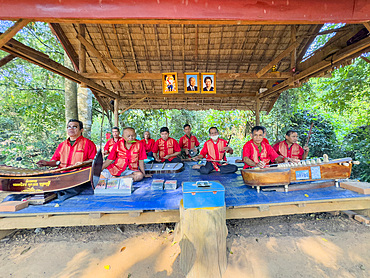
(191, 81)
(208, 80)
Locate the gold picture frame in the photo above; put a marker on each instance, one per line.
(170, 83)
(208, 83)
(191, 83)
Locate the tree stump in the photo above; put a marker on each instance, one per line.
(203, 235)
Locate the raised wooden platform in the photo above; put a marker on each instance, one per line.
(146, 206)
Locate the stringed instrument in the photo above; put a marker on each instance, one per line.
(35, 181)
(163, 168)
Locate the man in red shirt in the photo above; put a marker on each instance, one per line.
(257, 153)
(167, 148)
(73, 151)
(188, 141)
(110, 143)
(215, 149)
(290, 149)
(126, 158)
(148, 144)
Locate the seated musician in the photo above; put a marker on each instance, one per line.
(188, 141)
(73, 151)
(166, 149)
(263, 140)
(126, 158)
(257, 153)
(215, 150)
(290, 149)
(110, 143)
(148, 143)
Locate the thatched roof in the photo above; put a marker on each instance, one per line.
(159, 48)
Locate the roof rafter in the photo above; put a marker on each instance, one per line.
(27, 53)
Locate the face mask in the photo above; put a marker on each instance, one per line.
(214, 138)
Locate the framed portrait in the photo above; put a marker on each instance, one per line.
(191, 82)
(208, 83)
(169, 83)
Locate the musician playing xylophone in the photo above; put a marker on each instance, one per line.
(258, 153)
(290, 149)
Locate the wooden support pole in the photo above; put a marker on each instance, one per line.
(10, 33)
(278, 58)
(116, 112)
(6, 60)
(258, 108)
(203, 235)
(82, 49)
(293, 39)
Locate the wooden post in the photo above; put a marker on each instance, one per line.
(258, 108)
(293, 39)
(82, 50)
(116, 112)
(203, 234)
(84, 103)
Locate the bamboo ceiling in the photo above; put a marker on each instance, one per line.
(128, 59)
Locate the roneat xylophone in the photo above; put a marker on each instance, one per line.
(305, 170)
(34, 181)
(162, 168)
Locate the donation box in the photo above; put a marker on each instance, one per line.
(203, 194)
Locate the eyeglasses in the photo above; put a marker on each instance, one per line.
(72, 127)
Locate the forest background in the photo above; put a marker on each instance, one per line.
(32, 121)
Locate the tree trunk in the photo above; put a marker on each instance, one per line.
(70, 93)
(84, 101)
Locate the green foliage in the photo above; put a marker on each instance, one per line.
(357, 146)
(32, 101)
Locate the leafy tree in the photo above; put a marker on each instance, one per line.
(32, 114)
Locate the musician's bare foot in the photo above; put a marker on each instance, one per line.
(238, 161)
(196, 166)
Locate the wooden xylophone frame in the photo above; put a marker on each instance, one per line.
(298, 172)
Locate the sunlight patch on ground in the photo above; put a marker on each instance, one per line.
(149, 251)
(321, 250)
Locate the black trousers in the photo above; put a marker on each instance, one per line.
(224, 169)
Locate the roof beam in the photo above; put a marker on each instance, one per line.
(6, 60)
(365, 59)
(309, 41)
(278, 59)
(38, 58)
(337, 57)
(237, 11)
(190, 96)
(158, 76)
(59, 33)
(339, 41)
(10, 33)
(100, 56)
(367, 25)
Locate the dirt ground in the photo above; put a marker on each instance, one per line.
(310, 245)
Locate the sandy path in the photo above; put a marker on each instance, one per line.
(315, 245)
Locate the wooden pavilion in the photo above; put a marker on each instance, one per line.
(120, 48)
